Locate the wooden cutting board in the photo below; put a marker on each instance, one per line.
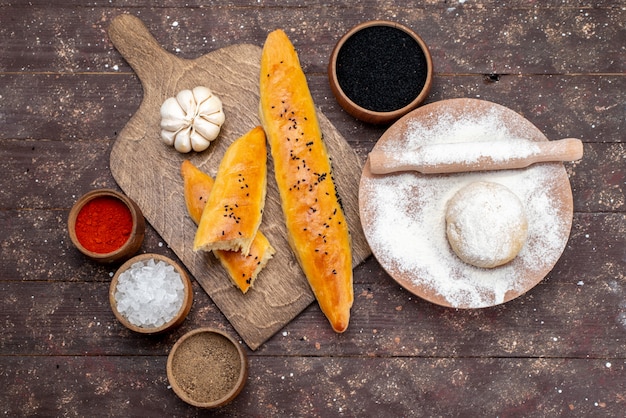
(148, 171)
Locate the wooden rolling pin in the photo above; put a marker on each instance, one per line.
(474, 156)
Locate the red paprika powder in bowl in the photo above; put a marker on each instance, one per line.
(106, 226)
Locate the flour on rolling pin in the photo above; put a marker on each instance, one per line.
(487, 150)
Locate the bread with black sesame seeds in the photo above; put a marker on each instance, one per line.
(242, 269)
(316, 225)
(233, 212)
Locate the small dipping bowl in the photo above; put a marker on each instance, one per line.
(207, 368)
(88, 218)
(176, 320)
(380, 71)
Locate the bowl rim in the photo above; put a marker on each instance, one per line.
(137, 230)
(232, 393)
(361, 112)
(178, 318)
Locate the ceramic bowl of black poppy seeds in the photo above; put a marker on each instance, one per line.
(379, 71)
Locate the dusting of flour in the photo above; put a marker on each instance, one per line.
(405, 214)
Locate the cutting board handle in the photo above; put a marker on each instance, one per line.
(137, 45)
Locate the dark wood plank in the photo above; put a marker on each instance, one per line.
(479, 39)
(576, 311)
(52, 175)
(423, 4)
(65, 94)
(74, 107)
(314, 386)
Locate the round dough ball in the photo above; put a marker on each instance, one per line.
(486, 224)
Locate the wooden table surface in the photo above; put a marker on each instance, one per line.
(558, 350)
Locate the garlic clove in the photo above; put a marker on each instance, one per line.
(210, 105)
(201, 93)
(173, 117)
(182, 143)
(168, 136)
(216, 118)
(173, 124)
(198, 141)
(208, 129)
(187, 103)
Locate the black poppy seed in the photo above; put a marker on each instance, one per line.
(381, 68)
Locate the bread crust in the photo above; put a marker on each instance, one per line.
(316, 225)
(242, 270)
(234, 210)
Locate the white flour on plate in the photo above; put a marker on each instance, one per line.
(406, 215)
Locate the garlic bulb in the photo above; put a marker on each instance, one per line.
(191, 120)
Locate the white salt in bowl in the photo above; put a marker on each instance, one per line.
(150, 294)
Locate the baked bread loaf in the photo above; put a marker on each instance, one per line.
(242, 269)
(486, 224)
(316, 225)
(234, 210)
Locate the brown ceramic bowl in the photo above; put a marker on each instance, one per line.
(177, 319)
(372, 84)
(207, 368)
(135, 239)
